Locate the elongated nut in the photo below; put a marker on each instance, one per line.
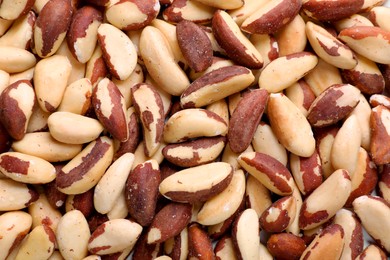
(195, 152)
(378, 227)
(257, 196)
(330, 242)
(114, 236)
(224, 249)
(43, 213)
(250, 107)
(72, 235)
(17, 102)
(160, 63)
(279, 215)
(222, 4)
(329, 48)
(14, 226)
(191, 123)
(109, 106)
(286, 246)
(111, 185)
(290, 126)
(10, 10)
(317, 208)
(222, 206)
(77, 97)
(269, 171)
(141, 191)
(372, 252)
(272, 16)
(188, 10)
(369, 41)
(197, 183)
(82, 35)
(149, 107)
(292, 38)
(15, 60)
(326, 11)
(85, 170)
(50, 80)
(51, 27)
(199, 243)
(62, 128)
(384, 185)
(216, 85)
(234, 42)
(379, 122)
(245, 235)
(274, 77)
(22, 194)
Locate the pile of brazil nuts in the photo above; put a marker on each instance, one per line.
(194, 129)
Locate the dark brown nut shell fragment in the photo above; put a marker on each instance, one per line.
(324, 10)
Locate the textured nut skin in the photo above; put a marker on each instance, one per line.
(82, 35)
(149, 108)
(379, 123)
(142, 190)
(332, 105)
(331, 11)
(301, 94)
(224, 248)
(23, 195)
(199, 244)
(194, 11)
(82, 202)
(195, 45)
(271, 17)
(51, 27)
(232, 40)
(286, 246)
(317, 209)
(169, 222)
(195, 152)
(16, 102)
(269, 171)
(250, 107)
(96, 68)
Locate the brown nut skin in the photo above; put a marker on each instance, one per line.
(195, 45)
(324, 10)
(272, 17)
(82, 202)
(379, 147)
(189, 10)
(144, 251)
(141, 192)
(51, 26)
(169, 222)
(384, 183)
(250, 108)
(286, 246)
(372, 252)
(199, 244)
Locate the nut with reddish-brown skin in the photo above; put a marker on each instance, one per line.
(142, 190)
(323, 10)
(169, 222)
(149, 108)
(379, 123)
(379, 99)
(82, 34)
(189, 10)
(177, 247)
(96, 68)
(372, 252)
(109, 107)
(269, 171)
(16, 106)
(330, 242)
(250, 107)
(224, 249)
(334, 104)
(285, 246)
(195, 152)
(271, 17)
(144, 251)
(51, 27)
(279, 215)
(233, 41)
(378, 15)
(55, 197)
(199, 244)
(195, 45)
(301, 94)
(22, 195)
(384, 183)
(82, 202)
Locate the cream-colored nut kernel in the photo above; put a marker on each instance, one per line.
(223, 4)
(38, 120)
(43, 145)
(72, 128)
(222, 206)
(379, 123)
(77, 97)
(85, 169)
(24, 75)
(26, 168)
(301, 95)
(13, 59)
(362, 112)
(345, 148)
(50, 80)
(190, 10)
(12, 10)
(20, 33)
(329, 48)
(373, 212)
(353, 20)
(78, 68)
(267, 46)
(96, 68)
(220, 107)
(292, 37)
(318, 208)
(119, 52)
(257, 196)
(250, 6)
(15, 195)
(284, 71)
(379, 15)
(43, 213)
(372, 252)
(4, 80)
(191, 123)
(160, 62)
(42, 250)
(111, 185)
(114, 236)
(290, 126)
(14, 226)
(72, 235)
